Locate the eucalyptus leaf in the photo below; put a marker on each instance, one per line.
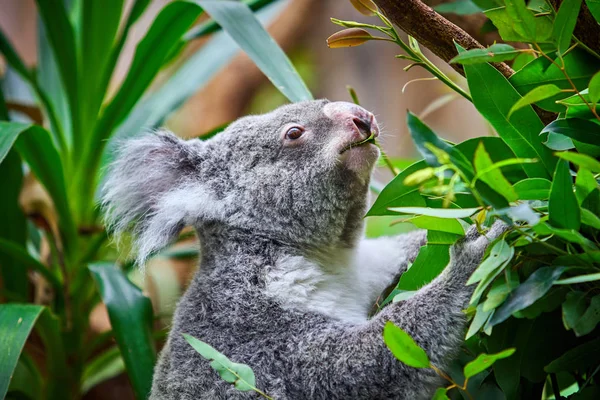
(527, 293)
(556, 141)
(583, 356)
(484, 361)
(537, 94)
(403, 347)
(495, 53)
(533, 189)
(583, 160)
(563, 208)
(564, 23)
(500, 254)
(579, 129)
(579, 279)
(492, 176)
(430, 261)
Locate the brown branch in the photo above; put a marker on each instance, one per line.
(438, 34)
(432, 30)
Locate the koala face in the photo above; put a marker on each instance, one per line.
(298, 175)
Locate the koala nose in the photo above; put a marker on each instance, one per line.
(364, 125)
(360, 120)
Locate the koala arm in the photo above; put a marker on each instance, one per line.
(357, 358)
(380, 261)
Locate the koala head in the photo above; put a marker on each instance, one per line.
(298, 175)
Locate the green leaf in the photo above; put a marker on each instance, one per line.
(492, 176)
(484, 361)
(584, 184)
(13, 227)
(594, 88)
(440, 394)
(535, 95)
(580, 317)
(556, 141)
(493, 96)
(579, 65)
(578, 129)
(16, 322)
(497, 52)
(516, 23)
(403, 347)
(579, 279)
(533, 189)
(240, 375)
(564, 24)
(563, 208)
(239, 21)
(438, 224)
(582, 160)
(130, 314)
(458, 7)
(396, 193)
(430, 261)
(499, 256)
(481, 317)
(61, 37)
(570, 235)
(437, 212)
(578, 358)
(35, 145)
(594, 6)
(100, 20)
(527, 293)
(103, 367)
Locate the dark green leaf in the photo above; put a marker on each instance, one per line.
(579, 65)
(584, 184)
(594, 6)
(579, 358)
(12, 57)
(492, 176)
(573, 308)
(578, 129)
(16, 322)
(403, 347)
(240, 375)
(563, 208)
(516, 23)
(527, 293)
(564, 24)
(430, 261)
(239, 22)
(481, 317)
(590, 318)
(535, 95)
(570, 235)
(582, 160)
(130, 314)
(533, 189)
(484, 361)
(495, 53)
(35, 146)
(594, 88)
(493, 96)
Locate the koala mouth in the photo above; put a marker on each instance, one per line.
(369, 140)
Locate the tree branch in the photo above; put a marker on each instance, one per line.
(432, 30)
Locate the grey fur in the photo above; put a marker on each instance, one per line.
(256, 203)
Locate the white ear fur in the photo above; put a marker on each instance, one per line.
(153, 189)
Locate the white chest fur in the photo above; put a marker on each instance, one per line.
(343, 284)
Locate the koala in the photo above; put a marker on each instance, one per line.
(286, 280)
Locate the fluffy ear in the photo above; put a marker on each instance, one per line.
(153, 188)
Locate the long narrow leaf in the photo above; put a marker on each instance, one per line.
(130, 314)
(239, 21)
(16, 322)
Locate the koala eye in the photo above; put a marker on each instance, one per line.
(294, 133)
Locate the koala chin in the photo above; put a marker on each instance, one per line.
(286, 278)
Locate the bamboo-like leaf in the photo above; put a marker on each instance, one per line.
(130, 314)
(36, 147)
(16, 322)
(239, 22)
